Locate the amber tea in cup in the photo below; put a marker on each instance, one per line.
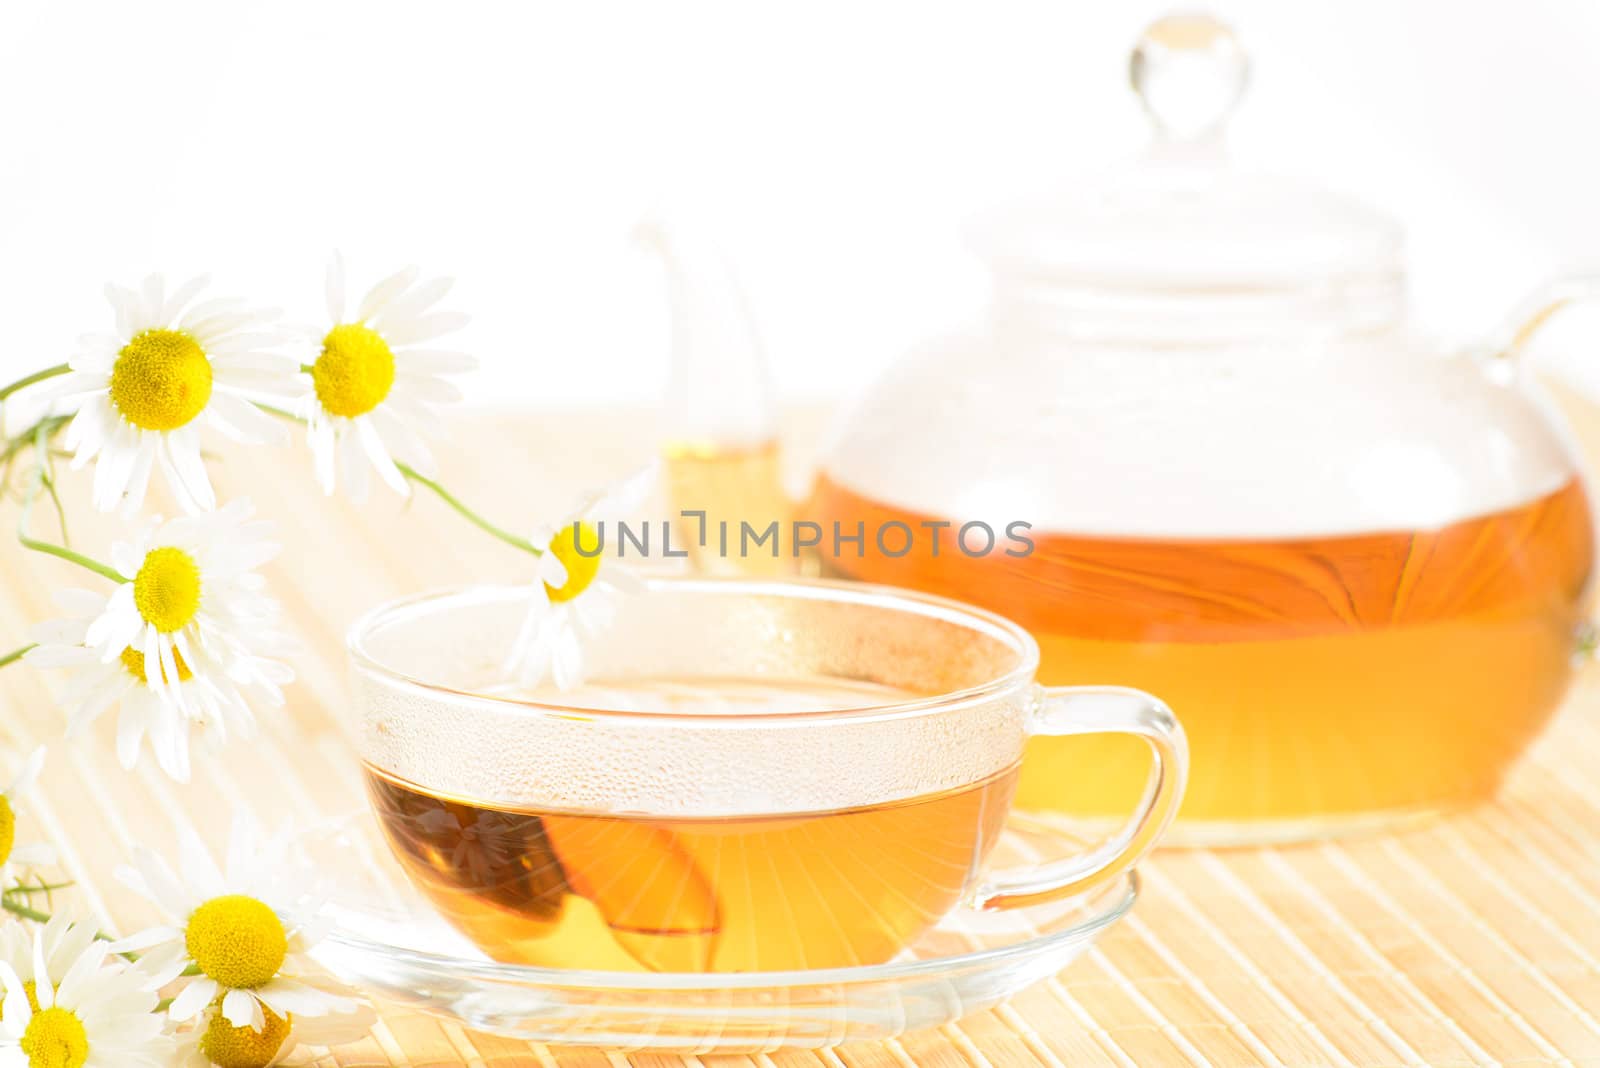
(759, 776)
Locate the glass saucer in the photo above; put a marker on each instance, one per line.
(390, 943)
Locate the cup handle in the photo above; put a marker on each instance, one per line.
(1063, 711)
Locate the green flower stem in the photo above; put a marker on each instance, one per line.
(460, 507)
(64, 553)
(47, 477)
(37, 376)
(61, 551)
(17, 908)
(46, 426)
(14, 655)
(467, 513)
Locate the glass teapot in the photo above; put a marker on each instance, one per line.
(1214, 463)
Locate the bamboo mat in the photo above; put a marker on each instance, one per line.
(1473, 941)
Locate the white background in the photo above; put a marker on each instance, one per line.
(833, 149)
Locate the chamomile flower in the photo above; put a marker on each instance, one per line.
(64, 938)
(98, 1015)
(192, 609)
(371, 387)
(16, 858)
(209, 704)
(282, 1041)
(246, 931)
(576, 586)
(170, 367)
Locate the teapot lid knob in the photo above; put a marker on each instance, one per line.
(1180, 214)
(1190, 72)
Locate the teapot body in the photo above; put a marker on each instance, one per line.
(1196, 449)
(1356, 566)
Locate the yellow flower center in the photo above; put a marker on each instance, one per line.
(228, 1046)
(55, 1038)
(133, 660)
(237, 941)
(581, 569)
(161, 379)
(167, 589)
(355, 371)
(8, 828)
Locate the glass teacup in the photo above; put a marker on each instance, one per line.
(758, 776)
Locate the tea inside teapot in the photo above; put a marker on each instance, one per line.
(1356, 563)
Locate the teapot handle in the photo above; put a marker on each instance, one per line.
(1538, 309)
(1530, 317)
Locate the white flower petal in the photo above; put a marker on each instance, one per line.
(284, 996)
(130, 736)
(151, 302)
(428, 388)
(13, 986)
(125, 305)
(336, 1029)
(373, 446)
(335, 288)
(161, 966)
(551, 571)
(403, 444)
(242, 421)
(75, 982)
(43, 992)
(413, 304)
(89, 430)
(143, 940)
(181, 298)
(200, 872)
(194, 997)
(241, 1009)
(526, 660)
(115, 465)
(55, 647)
(151, 877)
(188, 470)
(385, 291)
(215, 319)
(436, 361)
(244, 844)
(207, 309)
(425, 328)
(324, 454)
(566, 658)
(139, 478)
(29, 774)
(352, 466)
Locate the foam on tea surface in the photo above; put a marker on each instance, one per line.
(766, 755)
(702, 707)
(692, 696)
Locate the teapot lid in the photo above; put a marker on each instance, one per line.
(1181, 214)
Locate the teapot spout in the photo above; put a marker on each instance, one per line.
(721, 443)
